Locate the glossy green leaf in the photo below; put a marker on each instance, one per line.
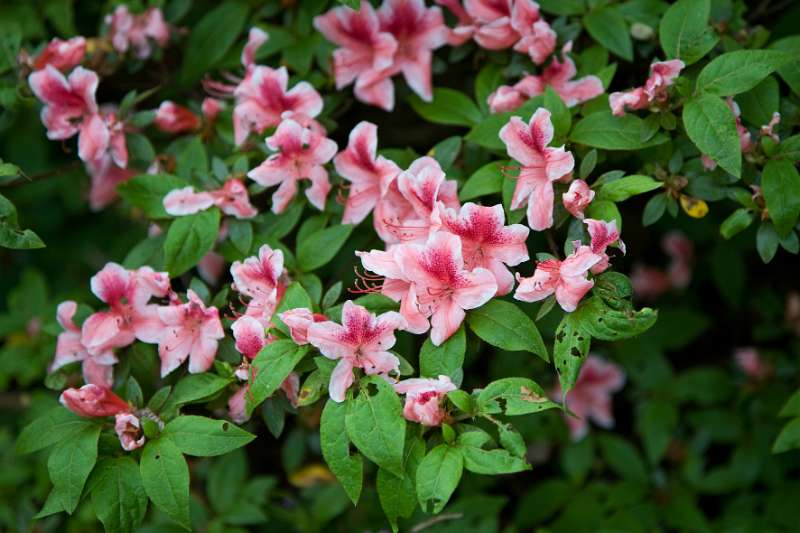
(118, 496)
(438, 475)
(348, 468)
(780, 184)
(445, 359)
(447, 107)
(189, 239)
(506, 326)
(205, 437)
(70, 464)
(710, 125)
(165, 476)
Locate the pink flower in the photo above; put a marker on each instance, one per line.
(537, 38)
(211, 108)
(237, 403)
(662, 75)
(577, 198)
(590, 398)
(231, 198)
(301, 154)
(424, 399)
(750, 362)
(259, 279)
(105, 176)
(298, 321)
(649, 282)
(98, 369)
(465, 28)
(70, 108)
(369, 175)
(558, 75)
(93, 401)
(418, 31)
(364, 54)
(362, 341)
(129, 317)
(441, 287)
(137, 31)
(403, 213)
(566, 279)
(540, 166)
(603, 235)
(255, 38)
(174, 118)
(249, 335)
(493, 23)
(768, 129)
(486, 242)
(190, 330)
(262, 98)
(681, 252)
(62, 55)
(129, 431)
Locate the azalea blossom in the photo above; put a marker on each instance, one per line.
(368, 175)
(418, 30)
(537, 38)
(492, 19)
(98, 369)
(750, 362)
(486, 241)
(577, 198)
(603, 234)
(190, 330)
(403, 213)
(465, 29)
(298, 321)
(500, 24)
(363, 340)
(255, 38)
(129, 316)
(63, 55)
(211, 108)
(681, 253)
(174, 118)
(390, 281)
(231, 198)
(129, 430)
(91, 401)
(540, 165)
(566, 279)
(262, 98)
(70, 108)
(259, 278)
(127, 30)
(558, 75)
(441, 287)
(662, 75)
(424, 399)
(590, 398)
(237, 403)
(105, 175)
(300, 155)
(365, 53)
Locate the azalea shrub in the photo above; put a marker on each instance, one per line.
(357, 266)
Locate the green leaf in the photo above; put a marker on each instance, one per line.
(738, 221)
(211, 38)
(272, 366)
(197, 387)
(165, 476)
(656, 422)
(604, 130)
(624, 188)
(57, 425)
(486, 180)
(189, 239)
(654, 209)
(489, 78)
(607, 26)
(506, 326)
(322, 246)
(398, 495)
(559, 113)
(739, 71)
(375, 424)
(780, 184)
(513, 396)
(711, 126)
(767, 241)
(570, 350)
(447, 107)
(348, 469)
(605, 323)
(623, 458)
(788, 438)
(605, 210)
(205, 437)
(191, 160)
(70, 464)
(759, 103)
(792, 406)
(446, 152)
(790, 72)
(294, 297)
(118, 497)
(445, 359)
(11, 236)
(438, 475)
(511, 440)
(587, 164)
(684, 32)
(492, 462)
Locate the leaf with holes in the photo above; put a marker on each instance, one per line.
(165, 476)
(513, 396)
(205, 437)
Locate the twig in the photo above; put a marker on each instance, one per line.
(435, 520)
(69, 167)
(552, 243)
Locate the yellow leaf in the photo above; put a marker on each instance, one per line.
(311, 475)
(694, 207)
